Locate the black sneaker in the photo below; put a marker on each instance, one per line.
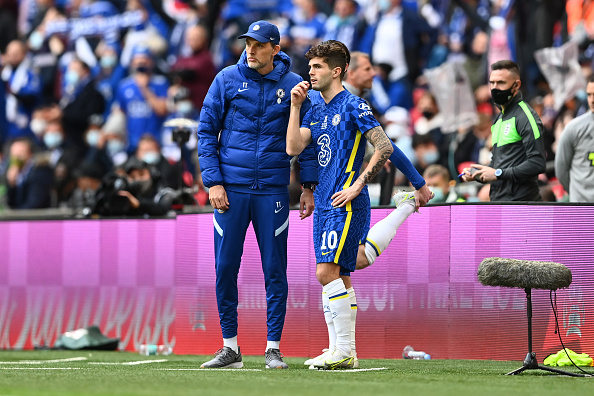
(225, 358)
(274, 359)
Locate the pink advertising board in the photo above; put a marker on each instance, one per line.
(152, 281)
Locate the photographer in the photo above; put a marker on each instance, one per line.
(133, 191)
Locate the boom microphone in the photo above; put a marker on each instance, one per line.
(497, 271)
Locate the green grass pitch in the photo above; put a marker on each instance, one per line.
(116, 373)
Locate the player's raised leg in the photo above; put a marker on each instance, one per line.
(382, 233)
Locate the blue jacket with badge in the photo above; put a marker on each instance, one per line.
(243, 128)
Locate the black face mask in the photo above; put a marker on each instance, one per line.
(428, 114)
(502, 97)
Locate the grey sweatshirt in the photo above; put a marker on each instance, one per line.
(574, 160)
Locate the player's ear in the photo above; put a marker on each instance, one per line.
(275, 50)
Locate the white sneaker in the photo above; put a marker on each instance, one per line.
(325, 352)
(337, 360)
(402, 198)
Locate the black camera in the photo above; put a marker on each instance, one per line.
(180, 135)
(108, 201)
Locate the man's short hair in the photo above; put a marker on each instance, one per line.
(591, 78)
(507, 64)
(436, 170)
(333, 52)
(355, 56)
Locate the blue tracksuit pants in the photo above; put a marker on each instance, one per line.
(269, 215)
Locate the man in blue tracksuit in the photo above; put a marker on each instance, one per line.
(242, 132)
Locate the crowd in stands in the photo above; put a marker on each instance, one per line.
(88, 85)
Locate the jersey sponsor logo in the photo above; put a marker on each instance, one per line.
(138, 109)
(314, 123)
(364, 106)
(336, 119)
(325, 123)
(325, 153)
(244, 86)
(365, 114)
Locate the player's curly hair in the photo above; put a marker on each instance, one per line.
(333, 52)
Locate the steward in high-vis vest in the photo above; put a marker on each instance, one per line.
(517, 137)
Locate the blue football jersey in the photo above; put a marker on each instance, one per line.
(337, 129)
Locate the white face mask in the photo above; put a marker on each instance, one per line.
(184, 107)
(38, 126)
(93, 137)
(53, 139)
(114, 146)
(151, 157)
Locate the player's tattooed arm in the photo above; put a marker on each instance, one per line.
(383, 149)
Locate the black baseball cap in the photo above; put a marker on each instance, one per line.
(263, 32)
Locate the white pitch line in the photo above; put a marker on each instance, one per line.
(40, 368)
(211, 370)
(74, 359)
(355, 370)
(129, 363)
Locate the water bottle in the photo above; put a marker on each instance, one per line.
(151, 349)
(410, 353)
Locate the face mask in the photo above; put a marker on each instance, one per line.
(114, 146)
(151, 157)
(428, 114)
(52, 139)
(142, 69)
(93, 137)
(184, 107)
(38, 126)
(502, 97)
(439, 195)
(140, 187)
(108, 61)
(71, 78)
(430, 157)
(35, 40)
(384, 5)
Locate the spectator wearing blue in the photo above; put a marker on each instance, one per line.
(110, 73)
(22, 91)
(142, 97)
(345, 24)
(247, 172)
(398, 39)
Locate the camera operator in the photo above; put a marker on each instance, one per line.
(133, 191)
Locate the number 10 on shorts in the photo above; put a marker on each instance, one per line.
(332, 240)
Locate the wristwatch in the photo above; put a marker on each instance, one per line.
(498, 172)
(309, 186)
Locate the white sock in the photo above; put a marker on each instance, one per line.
(382, 233)
(340, 305)
(353, 299)
(231, 343)
(329, 321)
(272, 345)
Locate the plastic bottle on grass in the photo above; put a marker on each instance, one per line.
(410, 353)
(150, 349)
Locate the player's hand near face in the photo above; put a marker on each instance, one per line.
(299, 93)
(306, 203)
(342, 197)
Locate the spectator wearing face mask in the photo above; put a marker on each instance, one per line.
(142, 97)
(96, 142)
(64, 158)
(110, 73)
(443, 187)
(80, 100)
(29, 179)
(22, 89)
(183, 108)
(426, 152)
(149, 151)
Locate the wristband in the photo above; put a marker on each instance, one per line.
(309, 186)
